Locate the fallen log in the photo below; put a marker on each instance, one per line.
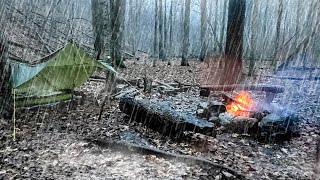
(269, 89)
(126, 147)
(160, 117)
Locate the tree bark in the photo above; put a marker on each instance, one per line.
(278, 26)
(235, 28)
(203, 29)
(223, 26)
(161, 31)
(216, 45)
(101, 25)
(165, 40)
(234, 48)
(131, 30)
(155, 41)
(253, 37)
(171, 31)
(5, 80)
(186, 31)
(117, 11)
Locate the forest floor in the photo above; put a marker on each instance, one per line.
(52, 144)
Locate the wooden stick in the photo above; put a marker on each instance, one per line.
(164, 84)
(14, 115)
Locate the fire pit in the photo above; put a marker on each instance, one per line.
(229, 112)
(266, 121)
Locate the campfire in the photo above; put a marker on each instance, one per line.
(242, 105)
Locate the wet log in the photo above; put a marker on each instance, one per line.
(271, 90)
(317, 78)
(162, 118)
(260, 87)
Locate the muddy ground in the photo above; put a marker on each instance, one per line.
(52, 144)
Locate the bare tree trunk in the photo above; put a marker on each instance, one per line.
(5, 80)
(298, 23)
(235, 28)
(171, 31)
(117, 10)
(161, 37)
(234, 48)
(253, 37)
(101, 25)
(165, 44)
(181, 24)
(137, 32)
(278, 26)
(203, 29)
(216, 45)
(156, 42)
(186, 31)
(223, 26)
(131, 30)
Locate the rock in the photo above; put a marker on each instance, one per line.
(201, 113)
(236, 124)
(203, 105)
(214, 119)
(227, 175)
(241, 125)
(213, 108)
(3, 123)
(279, 126)
(225, 118)
(217, 107)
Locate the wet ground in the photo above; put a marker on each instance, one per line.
(51, 144)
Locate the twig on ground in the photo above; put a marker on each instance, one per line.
(164, 84)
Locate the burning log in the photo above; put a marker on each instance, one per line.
(229, 100)
(160, 117)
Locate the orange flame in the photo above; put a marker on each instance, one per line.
(242, 105)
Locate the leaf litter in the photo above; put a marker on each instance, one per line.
(50, 144)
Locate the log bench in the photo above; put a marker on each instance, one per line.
(271, 90)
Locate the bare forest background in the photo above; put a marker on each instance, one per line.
(274, 30)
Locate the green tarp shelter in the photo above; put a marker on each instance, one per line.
(54, 77)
